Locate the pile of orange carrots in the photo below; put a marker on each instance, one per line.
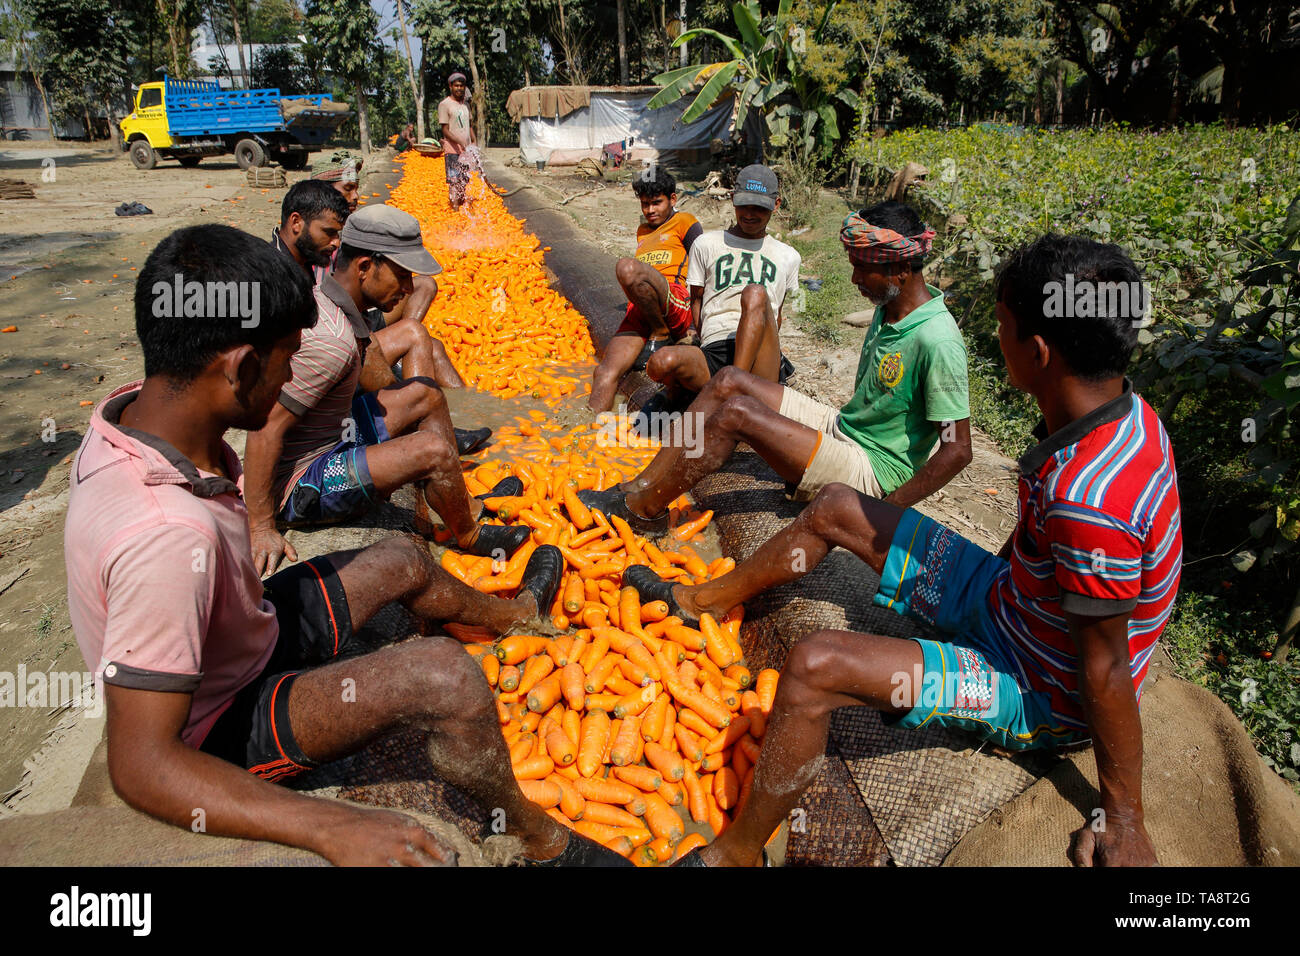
(642, 736)
(495, 311)
(628, 726)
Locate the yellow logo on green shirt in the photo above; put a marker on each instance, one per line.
(890, 371)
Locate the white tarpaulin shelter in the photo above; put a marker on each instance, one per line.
(561, 125)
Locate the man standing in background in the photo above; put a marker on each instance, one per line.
(457, 137)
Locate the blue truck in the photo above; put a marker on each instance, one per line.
(186, 120)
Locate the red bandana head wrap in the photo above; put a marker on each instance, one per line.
(870, 244)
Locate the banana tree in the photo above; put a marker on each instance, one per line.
(765, 73)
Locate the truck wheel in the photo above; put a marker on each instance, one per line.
(294, 161)
(143, 155)
(189, 162)
(248, 153)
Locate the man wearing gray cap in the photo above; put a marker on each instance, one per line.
(457, 136)
(328, 451)
(741, 280)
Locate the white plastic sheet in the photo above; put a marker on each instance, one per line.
(612, 118)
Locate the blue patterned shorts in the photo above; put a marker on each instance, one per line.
(974, 683)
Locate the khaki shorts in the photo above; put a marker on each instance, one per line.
(837, 456)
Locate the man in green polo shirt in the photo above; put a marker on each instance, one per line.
(904, 434)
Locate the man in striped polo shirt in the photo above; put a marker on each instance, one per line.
(1044, 644)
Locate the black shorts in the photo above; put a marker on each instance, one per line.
(315, 627)
(722, 354)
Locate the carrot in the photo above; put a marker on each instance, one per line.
(560, 747)
(688, 637)
(662, 819)
(578, 512)
(519, 647)
(692, 841)
(573, 594)
(654, 611)
(715, 644)
(672, 793)
(652, 721)
(665, 761)
(689, 529)
(534, 768)
(693, 563)
(558, 650)
(534, 670)
(662, 849)
(750, 747)
(726, 788)
(620, 845)
(714, 762)
(606, 791)
(643, 778)
(610, 815)
(544, 793)
(696, 802)
(634, 703)
(752, 708)
(602, 833)
(624, 747)
(594, 653)
(739, 673)
(591, 745)
(634, 673)
(710, 710)
(522, 748)
(765, 687)
(598, 676)
(629, 611)
(545, 695)
(571, 724)
(690, 745)
(491, 668)
(728, 736)
(740, 762)
(571, 685)
(509, 677)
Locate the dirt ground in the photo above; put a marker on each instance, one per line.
(67, 271)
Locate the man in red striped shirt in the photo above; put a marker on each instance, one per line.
(1046, 643)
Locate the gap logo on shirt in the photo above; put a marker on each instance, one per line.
(724, 277)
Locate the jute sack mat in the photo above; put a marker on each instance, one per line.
(1208, 798)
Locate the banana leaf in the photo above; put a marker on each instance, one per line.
(675, 84)
(734, 48)
(710, 92)
(747, 22)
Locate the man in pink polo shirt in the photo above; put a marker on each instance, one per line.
(214, 678)
(457, 137)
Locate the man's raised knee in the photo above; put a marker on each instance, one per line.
(811, 673)
(730, 381)
(826, 514)
(661, 364)
(453, 681)
(627, 270)
(754, 297)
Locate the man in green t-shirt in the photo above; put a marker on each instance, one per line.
(903, 435)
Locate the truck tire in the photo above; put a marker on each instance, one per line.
(249, 152)
(189, 162)
(294, 161)
(143, 155)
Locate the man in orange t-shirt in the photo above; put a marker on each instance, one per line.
(659, 303)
